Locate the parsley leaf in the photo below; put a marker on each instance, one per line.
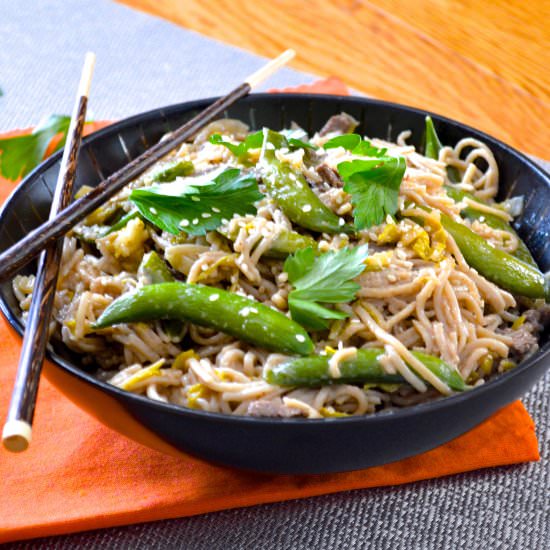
(327, 278)
(295, 138)
(197, 207)
(252, 141)
(20, 154)
(356, 145)
(374, 188)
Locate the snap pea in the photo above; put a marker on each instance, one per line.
(521, 252)
(292, 192)
(432, 146)
(365, 368)
(503, 269)
(243, 318)
(171, 170)
(431, 150)
(154, 269)
(286, 243)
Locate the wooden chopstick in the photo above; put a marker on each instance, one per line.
(12, 259)
(17, 432)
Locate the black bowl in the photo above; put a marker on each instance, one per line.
(281, 445)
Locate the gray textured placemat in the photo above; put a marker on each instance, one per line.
(143, 63)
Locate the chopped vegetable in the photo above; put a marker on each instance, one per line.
(356, 144)
(292, 192)
(314, 371)
(246, 319)
(327, 278)
(197, 209)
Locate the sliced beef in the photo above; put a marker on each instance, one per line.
(330, 176)
(525, 338)
(272, 407)
(342, 123)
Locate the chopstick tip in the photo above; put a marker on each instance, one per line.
(17, 435)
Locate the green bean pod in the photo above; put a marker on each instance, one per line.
(365, 368)
(431, 150)
(289, 242)
(155, 271)
(501, 268)
(522, 252)
(243, 318)
(286, 243)
(292, 192)
(432, 146)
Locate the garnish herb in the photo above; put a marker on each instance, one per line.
(374, 188)
(20, 154)
(372, 183)
(252, 141)
(356, 145)
(325, 278)
(197, 208)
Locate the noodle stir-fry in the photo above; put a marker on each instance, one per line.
(281, 274)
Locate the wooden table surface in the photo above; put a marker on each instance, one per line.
(485, 63)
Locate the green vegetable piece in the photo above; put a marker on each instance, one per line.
(252, 141)
(171, 170)
(356, 144)
(433, 146)
(20, 154)
(155, 271)
(365, 368)
(327, 278)
(221, 310)
(288, 242)
(501, 268)
(197, 208)
(292, 192)
(431, 150)
(374, 187)
(522, 252)
(120, 224)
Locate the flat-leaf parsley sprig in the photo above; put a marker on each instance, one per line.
(198, 208)
(372, 183)
(326, 278)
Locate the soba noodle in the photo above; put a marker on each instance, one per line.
(416, 293)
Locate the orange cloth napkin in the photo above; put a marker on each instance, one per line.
(79, 475)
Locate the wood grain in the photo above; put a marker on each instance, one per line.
(487, 67)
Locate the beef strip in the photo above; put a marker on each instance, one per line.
(342, 123)
(330, 176)
(273, 407)
(525, 338)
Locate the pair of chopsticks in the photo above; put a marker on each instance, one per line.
(17, 432)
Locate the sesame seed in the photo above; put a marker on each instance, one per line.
(214, 297)
(244, 311)
(153, 211)
(184, 223)
(206, 215)
(194, 198)
(225, 220)
(195, 221)
(216, 210)
(306, 208)
(300, 338)
(341, 221)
